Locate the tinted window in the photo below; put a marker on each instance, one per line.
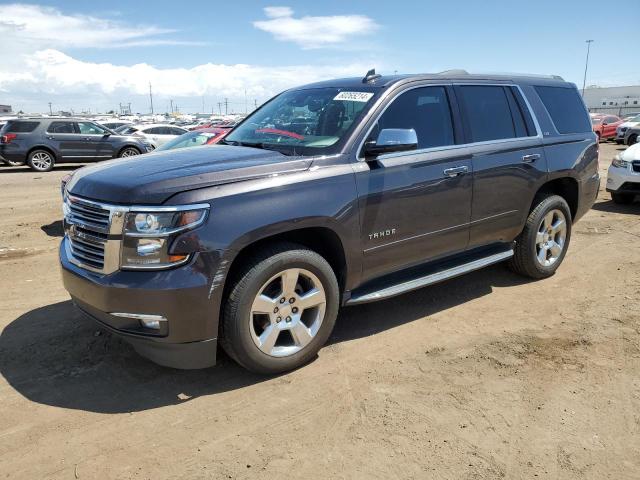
(20, 127)
(426, 110)
(488, 113)
(61, 127)
(88, 128)
(565, 108)
(175, 131)
(611, 120)
(154, 131)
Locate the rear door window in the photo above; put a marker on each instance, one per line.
(488, 113)
(88, 128)
(20, 127)
(566, 109)
(62, 127)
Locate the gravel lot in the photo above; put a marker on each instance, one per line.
(485, 376)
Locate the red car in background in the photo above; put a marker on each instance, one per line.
(195, 138)
(605, 126)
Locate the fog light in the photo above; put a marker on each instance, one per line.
(147, 321)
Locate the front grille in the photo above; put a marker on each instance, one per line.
(88, 228)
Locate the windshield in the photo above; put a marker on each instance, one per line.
(304, 122)
(191, 139)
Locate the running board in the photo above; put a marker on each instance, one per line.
(429, 279)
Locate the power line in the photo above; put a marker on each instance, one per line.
(586, 65)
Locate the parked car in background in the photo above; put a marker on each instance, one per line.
(605, 126)
(629, 116)
(621, 131)
(155, 133)
(388, 185)
(116, 124)
(623, 178)
(43, 142)
(632, 135)
(195, 138)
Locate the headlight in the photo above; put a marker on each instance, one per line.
(148, 236)
(619, 162)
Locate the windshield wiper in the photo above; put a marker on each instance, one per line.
(261, 145)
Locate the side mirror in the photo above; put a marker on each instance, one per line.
(392, 140)
(106, 134)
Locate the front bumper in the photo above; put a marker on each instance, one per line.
(623, 180)
(182, 296)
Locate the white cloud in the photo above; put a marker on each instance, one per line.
(314, 32)
(53, 74)
(35, 26)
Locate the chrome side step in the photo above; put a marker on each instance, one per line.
(430, 279)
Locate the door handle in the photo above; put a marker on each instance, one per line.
(530, 158)
(455, 171)
(51, 138)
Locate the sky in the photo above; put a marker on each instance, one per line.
(95, 55)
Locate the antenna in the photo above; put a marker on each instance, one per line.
(371, 76)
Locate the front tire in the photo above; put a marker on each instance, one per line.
(632, 139)
(128, 152)
(41, 161)
(622, 198)
(280, 309)
(543, 243)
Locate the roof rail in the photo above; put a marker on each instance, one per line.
(455, 71)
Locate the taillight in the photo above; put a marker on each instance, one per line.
(8, 138)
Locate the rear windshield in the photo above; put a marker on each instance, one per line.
(566, 109)
(20, 127)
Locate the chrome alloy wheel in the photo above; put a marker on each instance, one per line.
(41, 160)
(287, 312)
(551, 238)
(129, 152)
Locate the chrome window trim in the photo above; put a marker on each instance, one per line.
(409, 153)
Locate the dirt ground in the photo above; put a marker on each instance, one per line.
(485, 376)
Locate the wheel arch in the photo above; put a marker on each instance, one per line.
(124, 147)
(566, 187)
(42, 147)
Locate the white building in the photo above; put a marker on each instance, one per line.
(5, 109)
(615, 100)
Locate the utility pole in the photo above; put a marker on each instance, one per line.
(226, 106)
(255, 103)
(151, 97)
(171, 101)
(586, 66)
(220, 108)
(50, 111)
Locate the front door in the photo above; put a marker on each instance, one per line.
(96, 141)
(415, 206)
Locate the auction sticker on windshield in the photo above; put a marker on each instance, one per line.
(354, 96)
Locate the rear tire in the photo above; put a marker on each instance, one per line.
(41, 160)
(633, 139)
(263, 332)
(622, 198)
(543, 243)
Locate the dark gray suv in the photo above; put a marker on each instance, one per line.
(41, 143)
(332, 194)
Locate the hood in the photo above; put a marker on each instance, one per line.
(632, 153)
(152, 178)
(628, 124)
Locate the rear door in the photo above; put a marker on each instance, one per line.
(64, 137)
(508, 160)
(609, 126)
(415, 206)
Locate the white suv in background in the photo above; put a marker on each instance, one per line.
(623, 127)
(623, 178)
(155, 133)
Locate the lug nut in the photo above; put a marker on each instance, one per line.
(291, 300)
(294, 309)
(278, 320)
(275, 310)
(282, 300)
(288, 319)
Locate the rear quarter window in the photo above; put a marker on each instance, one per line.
(566, 109)
(20, 127)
